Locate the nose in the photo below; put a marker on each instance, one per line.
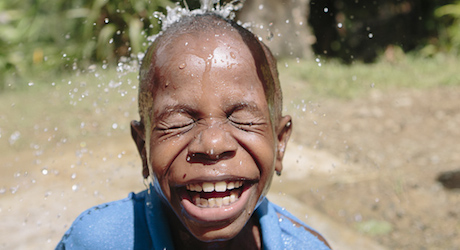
(211, 144)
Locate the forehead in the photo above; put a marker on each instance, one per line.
(219, 61)
(219, 54)
(219, 47)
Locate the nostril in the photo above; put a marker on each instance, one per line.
(226, 155)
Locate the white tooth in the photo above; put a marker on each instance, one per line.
(198, 188)
(211, 202)
(231, 185)
(238, 184)
(208, 187)
(192, 187)
(226, 200)
(219, 202)
(232, 198)
(196, 199)
(221, 186)
(187, 186)
(204, 202)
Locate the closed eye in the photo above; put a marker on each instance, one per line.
(175, 123)
(246, 117)
(178, 126)
(246, 125)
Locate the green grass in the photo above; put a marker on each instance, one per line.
(69, 108)
(336, 80)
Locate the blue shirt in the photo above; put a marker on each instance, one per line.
(139, 222)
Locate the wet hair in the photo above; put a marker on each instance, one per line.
(266, 65)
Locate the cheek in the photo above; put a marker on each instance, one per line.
(261, 149)
(164, 153)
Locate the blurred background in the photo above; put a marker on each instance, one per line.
(373, 86)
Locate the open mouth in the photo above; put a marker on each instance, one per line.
(215, 194)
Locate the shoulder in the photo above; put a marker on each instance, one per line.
(296, 232)
(105, 226)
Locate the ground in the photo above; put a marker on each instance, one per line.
(369, 164)
(389, 148)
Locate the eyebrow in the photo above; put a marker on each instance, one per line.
(251, 106)
(175, 108)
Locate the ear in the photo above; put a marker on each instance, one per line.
(137, 132)
(283, 133)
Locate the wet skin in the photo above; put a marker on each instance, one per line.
(211, 123)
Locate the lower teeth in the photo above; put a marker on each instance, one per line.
(215, 202)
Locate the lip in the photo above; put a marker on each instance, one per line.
(216, 214)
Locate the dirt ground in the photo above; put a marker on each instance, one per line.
(390, 148)
(368, 164)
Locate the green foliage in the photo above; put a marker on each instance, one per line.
(374, 227)
(43, 36)
(450, 32)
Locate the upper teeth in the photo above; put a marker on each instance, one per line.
(220, 186)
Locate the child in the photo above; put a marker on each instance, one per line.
(210, 136)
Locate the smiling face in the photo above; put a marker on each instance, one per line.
(210, 142)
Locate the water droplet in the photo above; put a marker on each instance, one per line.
(75, 187)
(73, 176)
(261, 7)
(30, 84)
(44, 171)
(370, 35)
(13, 190)
(115, 126)
(14, 137)
(270, 36)
(326, 10)
(182, 65)
(339, 25)
(106, 20)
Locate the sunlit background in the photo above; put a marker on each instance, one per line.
(373, 87)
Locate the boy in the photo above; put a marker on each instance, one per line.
(210, 136)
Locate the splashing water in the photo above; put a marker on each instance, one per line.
(207, 6)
